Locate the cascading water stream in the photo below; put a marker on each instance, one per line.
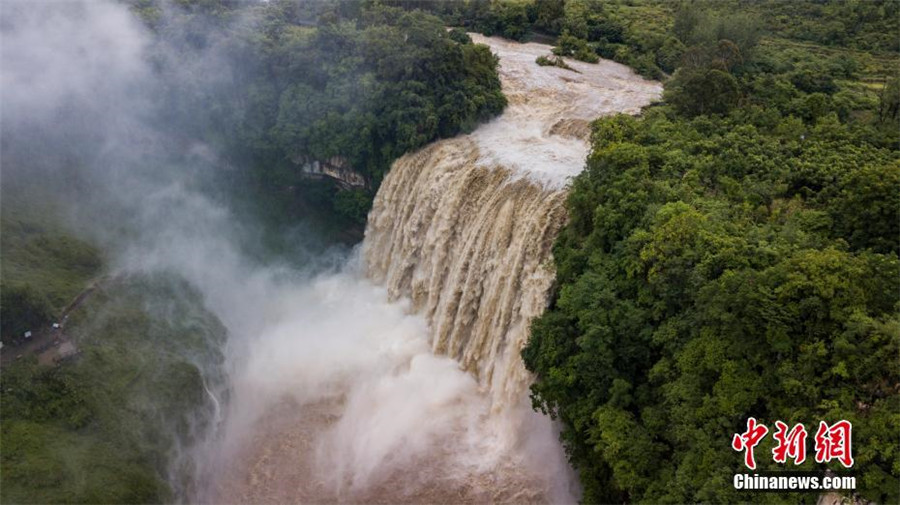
(470, 246)
(465, 226)
(399, 379)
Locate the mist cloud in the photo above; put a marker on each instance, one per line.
(81, 107)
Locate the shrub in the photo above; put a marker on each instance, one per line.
(553, 61)
(22, 308)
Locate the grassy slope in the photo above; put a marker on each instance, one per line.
(655, 19)
(101, 428)
(37, 252)
(104, 428)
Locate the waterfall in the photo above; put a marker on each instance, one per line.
(464, 227)
(470, 246)
(398, 379)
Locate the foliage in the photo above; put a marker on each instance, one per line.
(889, 100)
(364, 83)
(567, 45)
(702, 91)
(553, 61)
(714, 269)
(22, 308)
(511, 19)
(732, 253)
(354, 203)
(651, 36)
(43, 267)
(106, 427)
(459, 35)
(871, 25)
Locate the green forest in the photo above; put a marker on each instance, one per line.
(108, 425)
(355, 82)
(733, 252)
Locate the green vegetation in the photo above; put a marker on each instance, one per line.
(648, 36)
(43, 267)
(630, 32)
(731, 253)
(23, 309)
(348, 83)
(359, 83)
(568, 45)
(553, 61)
(868, 26)
(106, 427)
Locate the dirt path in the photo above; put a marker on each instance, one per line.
(50, 342)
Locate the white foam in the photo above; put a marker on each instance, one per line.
(532, 137)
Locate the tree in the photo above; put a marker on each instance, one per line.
(865, 210)
(701, 283)
(702, 91)
(549, 15)
(569, 45)
(889, 100)
(22, 308)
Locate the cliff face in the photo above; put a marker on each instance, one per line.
(335, 168)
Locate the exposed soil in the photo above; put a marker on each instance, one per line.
(52, 345)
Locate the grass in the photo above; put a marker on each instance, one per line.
(643, 16)
(874, 67)
(105, 428)
(47, 463)
(37, 252)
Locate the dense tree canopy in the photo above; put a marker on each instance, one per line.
(708, 274)
(731, 253)
(349, 83)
